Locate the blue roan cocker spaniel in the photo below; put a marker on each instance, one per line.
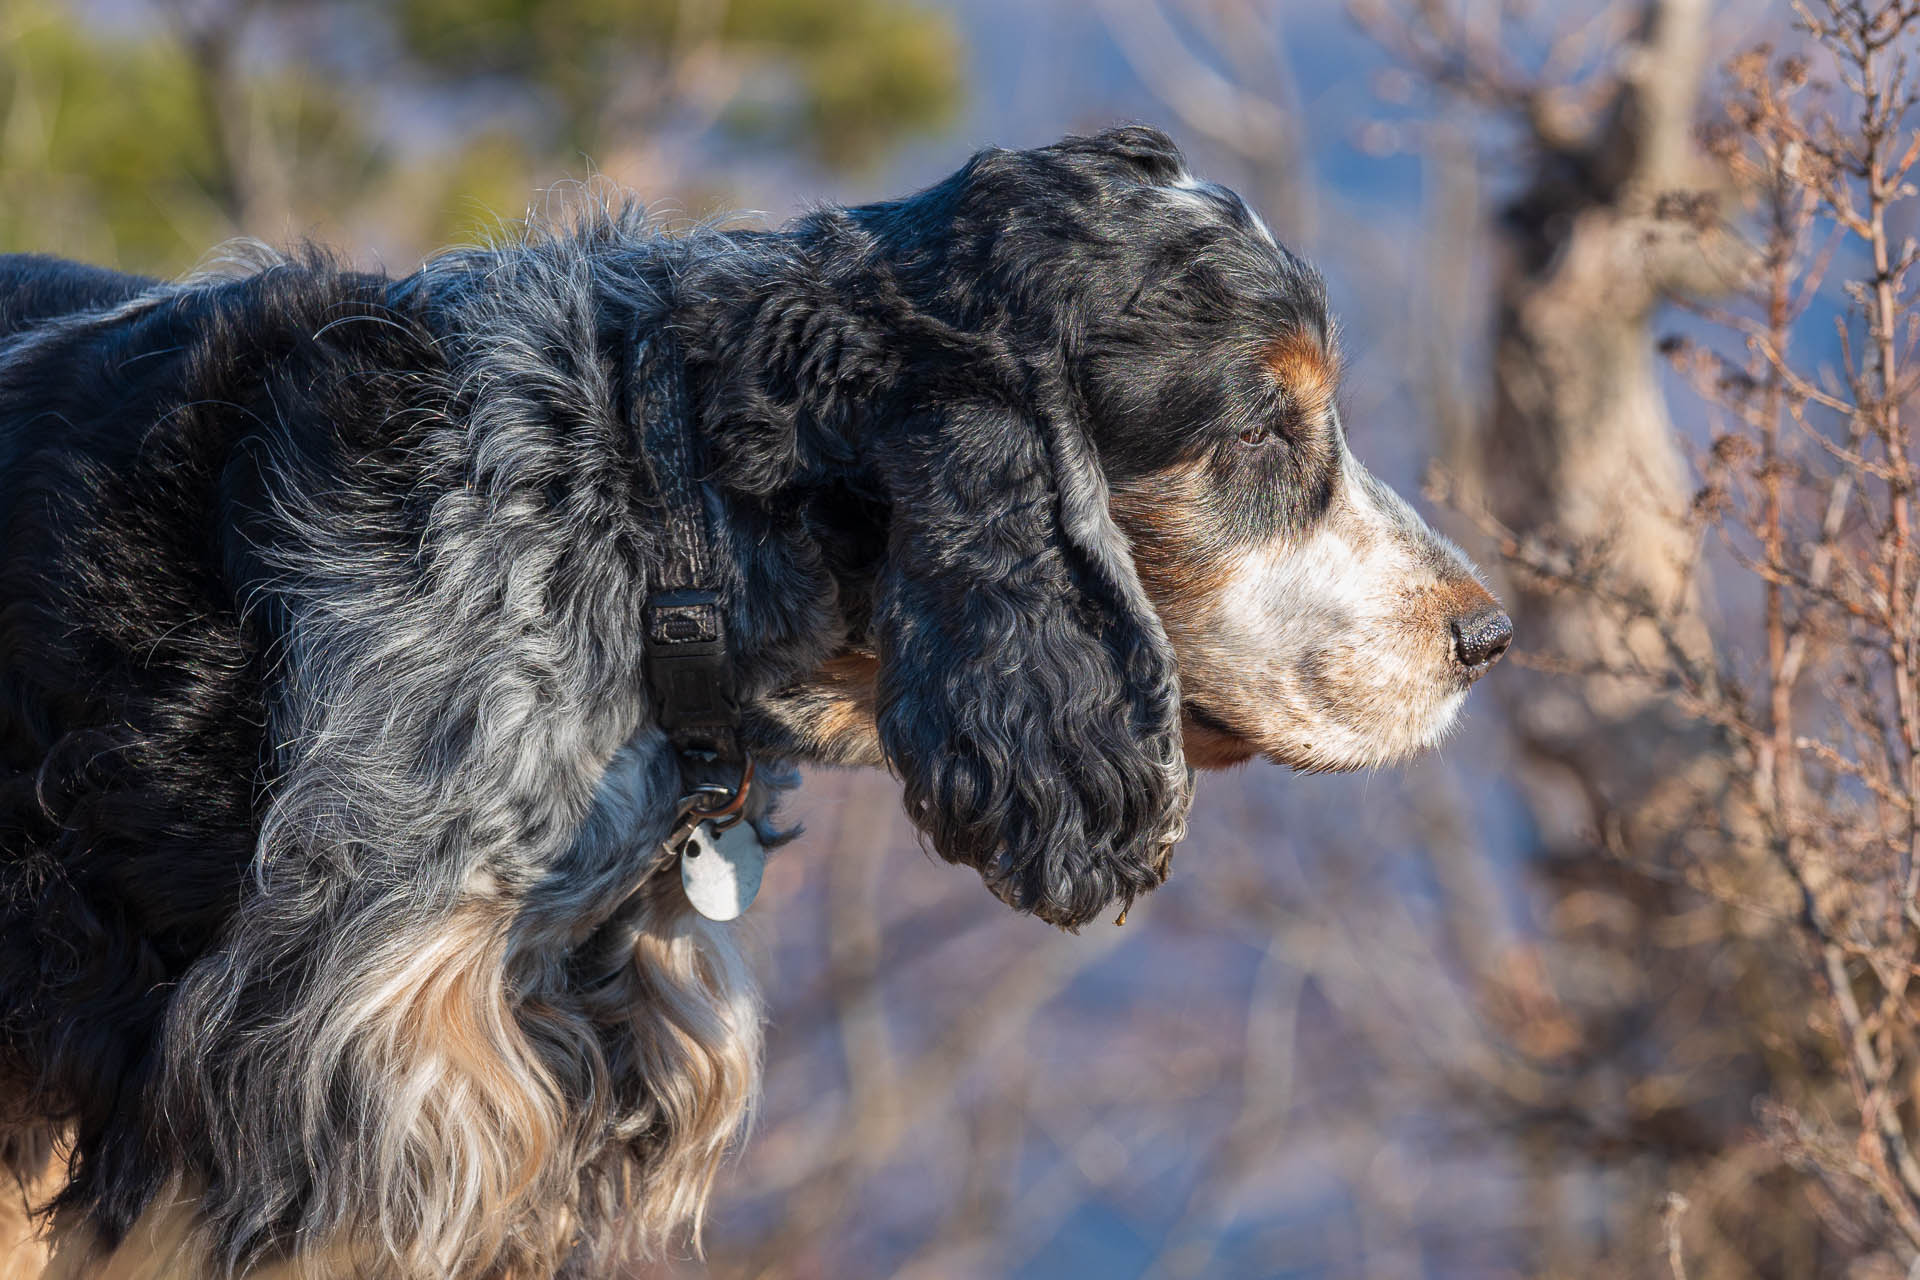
(341, 616)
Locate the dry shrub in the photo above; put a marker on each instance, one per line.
(1780, 860)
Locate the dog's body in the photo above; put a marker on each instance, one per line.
(333, 918)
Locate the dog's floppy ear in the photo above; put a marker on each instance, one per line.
(1027, 694)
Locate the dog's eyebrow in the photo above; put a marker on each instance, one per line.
(1306, 368)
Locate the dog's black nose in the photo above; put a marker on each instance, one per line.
(1480, 638)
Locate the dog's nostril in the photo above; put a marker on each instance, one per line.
(1480, 638)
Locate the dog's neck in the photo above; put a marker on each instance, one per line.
(781, 414)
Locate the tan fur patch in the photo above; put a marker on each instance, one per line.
(1162, 516)
(23, 1242)
(831, 714)
(473, 1119)
(1309, 372)
(695, 1016)
(849, 683)
(470, 1127)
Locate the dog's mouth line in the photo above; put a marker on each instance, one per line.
(1211, 742)
(1207, 720)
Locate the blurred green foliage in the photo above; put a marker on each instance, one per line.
(108, 152)
(144, 141)
(846, 76)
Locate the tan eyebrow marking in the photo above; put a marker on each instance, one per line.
(1306, 369)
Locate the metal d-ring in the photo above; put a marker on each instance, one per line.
(734, 810)
(729, 804)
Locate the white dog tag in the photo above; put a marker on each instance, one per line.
(720, 870)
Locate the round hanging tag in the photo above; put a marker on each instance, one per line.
(720, 870)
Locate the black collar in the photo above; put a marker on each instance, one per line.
(687, 665)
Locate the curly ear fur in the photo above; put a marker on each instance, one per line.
(1027, 695)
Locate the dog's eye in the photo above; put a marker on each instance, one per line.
(1256, 435)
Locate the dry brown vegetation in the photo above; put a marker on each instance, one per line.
(1754, 643)
(1684, 1044)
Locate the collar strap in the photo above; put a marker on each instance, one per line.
(687, 666)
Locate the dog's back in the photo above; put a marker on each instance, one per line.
(35, 288)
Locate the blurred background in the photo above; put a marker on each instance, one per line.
(1582, 994)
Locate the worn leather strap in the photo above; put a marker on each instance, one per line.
(688, 667)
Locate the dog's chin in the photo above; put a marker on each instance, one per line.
(1213, 743)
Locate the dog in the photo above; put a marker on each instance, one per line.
(339, 926)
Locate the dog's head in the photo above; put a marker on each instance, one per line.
(1126, 534)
